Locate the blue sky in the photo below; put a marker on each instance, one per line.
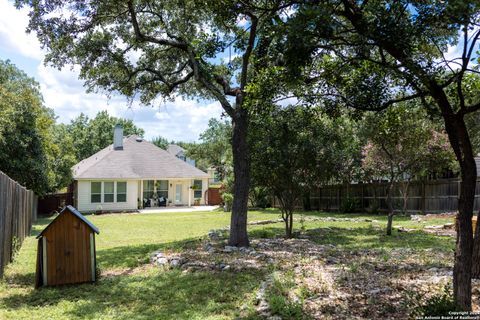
(63, 92)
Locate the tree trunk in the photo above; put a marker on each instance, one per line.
(406, 186)
(389, 223)
(462, 271)
(390, 208)
(241, 172)
(289, 224)
(476, 251)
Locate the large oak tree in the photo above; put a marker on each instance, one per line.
(150, 49)
(371, 55)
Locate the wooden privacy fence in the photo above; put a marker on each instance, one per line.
(54, 202)
(423, 196)
(18, 209)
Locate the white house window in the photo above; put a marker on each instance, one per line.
(197, 184)
(162, 188)
(96, 192)
(108, 191)
(121, 191)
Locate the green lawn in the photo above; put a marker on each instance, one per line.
(134, 290)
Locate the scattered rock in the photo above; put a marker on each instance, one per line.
(434, 227)
(215, 234)
(175, 263)
(161, 261)
(403, 229)
(229, 249)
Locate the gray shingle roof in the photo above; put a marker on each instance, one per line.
(174, 149)
(139, 159)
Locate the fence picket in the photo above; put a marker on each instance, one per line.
(423, 196)
(18, 209)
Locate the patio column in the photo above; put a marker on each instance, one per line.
(189, 189)
(141, 193)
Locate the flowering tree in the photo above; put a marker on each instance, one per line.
(403, 144)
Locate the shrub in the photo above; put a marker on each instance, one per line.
(348, 205)
(280, 305)
(439, 304)
(227, 200)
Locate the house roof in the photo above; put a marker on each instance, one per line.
(174, 149)
(139, 159)
(77, 214)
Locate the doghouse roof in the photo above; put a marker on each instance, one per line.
(77, 214)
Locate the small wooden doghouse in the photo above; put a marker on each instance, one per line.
(66, 250)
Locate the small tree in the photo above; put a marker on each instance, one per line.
(215, 148)
(403, 144)
(292, 151)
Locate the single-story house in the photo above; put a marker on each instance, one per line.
(133, 173)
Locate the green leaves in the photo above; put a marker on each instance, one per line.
(92, 135)
(30, 153)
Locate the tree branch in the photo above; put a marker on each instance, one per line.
(142, 37)
(248, 51)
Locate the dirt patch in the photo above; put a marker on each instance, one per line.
(333, 282)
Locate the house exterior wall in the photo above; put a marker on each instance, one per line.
(84, 200)
(186, 191)
(134, 192)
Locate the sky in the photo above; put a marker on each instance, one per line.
(62, 91)
(180, 120)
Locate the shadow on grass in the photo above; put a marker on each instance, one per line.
(150, 293)
(335, 214)
(366, 238)
(156, 295)
(136, 255)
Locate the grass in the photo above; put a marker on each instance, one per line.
(135, 290)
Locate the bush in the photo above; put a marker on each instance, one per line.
(439, 304)
(227, 200)
(280, 305)
(348, 205)
(259, 197)
(373, 207)
(279, 298)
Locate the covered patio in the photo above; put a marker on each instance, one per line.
(158, 193)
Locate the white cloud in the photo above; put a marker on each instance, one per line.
(178, 120)
(65, 93)
(13, 38)
(242, 21)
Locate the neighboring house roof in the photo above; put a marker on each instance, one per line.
(77, 214)
(139, 159)
(175, 149)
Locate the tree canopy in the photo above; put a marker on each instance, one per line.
(92, 135)
(295, 150)
(150, 49)
(215, 148)
(31, 150)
